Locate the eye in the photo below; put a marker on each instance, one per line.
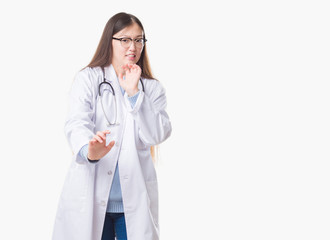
(125, 40)
(139, 40)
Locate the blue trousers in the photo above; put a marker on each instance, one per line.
(114, 226)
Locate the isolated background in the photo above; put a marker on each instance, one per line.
(248, 95)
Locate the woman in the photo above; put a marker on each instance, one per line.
(111, 187)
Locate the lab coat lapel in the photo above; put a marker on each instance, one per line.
(114, 80)
(111, 76)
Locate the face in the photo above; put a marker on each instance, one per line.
(127, 55)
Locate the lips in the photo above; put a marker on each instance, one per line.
(131, 57)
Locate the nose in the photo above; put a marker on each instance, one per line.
(132, 46)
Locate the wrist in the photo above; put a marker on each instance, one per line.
(132, 92)
(91, 159)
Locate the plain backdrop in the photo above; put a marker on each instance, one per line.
(248, 96)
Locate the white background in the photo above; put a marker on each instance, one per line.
(248, 96)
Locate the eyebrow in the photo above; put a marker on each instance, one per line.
(129, 36)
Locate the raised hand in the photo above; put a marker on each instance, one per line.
(97, 146)
(132, 77)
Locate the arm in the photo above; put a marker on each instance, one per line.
(150, 115)
(79, 124)
(149, 110)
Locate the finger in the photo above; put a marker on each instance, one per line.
(98, 138)
(106, 132)
(111, 144)
(133, 67)
(101, 134)
(128, 69)
(137, 68)
(125, 67)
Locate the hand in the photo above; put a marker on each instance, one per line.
(97, 148)
(132, 77)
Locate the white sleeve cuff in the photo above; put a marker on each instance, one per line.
(137, 102)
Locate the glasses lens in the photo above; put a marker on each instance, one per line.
(126, 42)
(139, 43)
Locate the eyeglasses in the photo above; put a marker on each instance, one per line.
(126, 42)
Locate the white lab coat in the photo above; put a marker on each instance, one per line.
(83, 201)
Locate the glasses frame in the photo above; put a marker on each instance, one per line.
(132, 40)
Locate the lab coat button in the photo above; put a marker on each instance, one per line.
(117, 144)
(109, 173)
(103, 203)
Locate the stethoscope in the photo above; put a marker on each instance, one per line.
(114, 97)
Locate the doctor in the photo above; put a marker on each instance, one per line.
(116, 117)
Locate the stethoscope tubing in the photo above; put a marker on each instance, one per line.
(114, 96)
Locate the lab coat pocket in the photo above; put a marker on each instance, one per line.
(75, 187)
(152, 188)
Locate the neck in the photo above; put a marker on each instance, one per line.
(118, 69)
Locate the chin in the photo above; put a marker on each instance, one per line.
(130, 62)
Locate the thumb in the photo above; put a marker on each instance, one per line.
(111, 144)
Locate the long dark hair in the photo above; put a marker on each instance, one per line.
(103, 54)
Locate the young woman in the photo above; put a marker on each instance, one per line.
(116, 116)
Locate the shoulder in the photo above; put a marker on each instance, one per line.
(86, 80)
(89, 74)
(153, 86)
